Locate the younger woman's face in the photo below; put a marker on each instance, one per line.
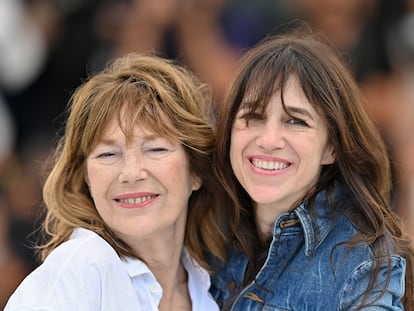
(278, 159)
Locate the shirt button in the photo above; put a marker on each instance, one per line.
(154, 288)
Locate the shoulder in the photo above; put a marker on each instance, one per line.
(389, 284)
(83, 251)
(352, 268)
(84, 245)
(73, 274)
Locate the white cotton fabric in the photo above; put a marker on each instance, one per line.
(86, 274)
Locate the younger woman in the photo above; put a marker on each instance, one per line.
(308, 185)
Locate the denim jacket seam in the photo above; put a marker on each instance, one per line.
(350, 278)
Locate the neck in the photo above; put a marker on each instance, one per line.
(162, 254)
(163, 258)
(265, 217)
(167, 268)
(175, 295)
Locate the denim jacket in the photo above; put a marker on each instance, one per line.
(306, 269)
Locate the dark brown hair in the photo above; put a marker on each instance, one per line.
(361, 156)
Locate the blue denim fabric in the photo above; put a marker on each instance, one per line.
(306, 270)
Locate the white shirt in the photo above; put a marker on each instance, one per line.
(85, 274)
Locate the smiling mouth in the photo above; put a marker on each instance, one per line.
(269, 165)
(138, 200)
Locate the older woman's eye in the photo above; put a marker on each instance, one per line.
(158, 147)
(158, 150)
(105, 155)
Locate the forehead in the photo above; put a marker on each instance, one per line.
(257, 95)
(130, 124)
(124, 126)
(290, 97)
(292, 94)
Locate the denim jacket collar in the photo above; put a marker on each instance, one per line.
(315, 229)
(302, 270)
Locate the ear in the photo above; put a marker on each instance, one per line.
(329, 155)
(197, 182)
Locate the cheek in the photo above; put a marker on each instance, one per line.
(91, 176)
(237, 138)
(233, 150)
(98, 181)
(236, 158)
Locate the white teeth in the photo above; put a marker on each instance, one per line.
(136, 200)
(268, 165)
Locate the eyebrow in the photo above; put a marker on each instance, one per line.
(290, 109)
(300, 110)
(144, 139)
(106, 141)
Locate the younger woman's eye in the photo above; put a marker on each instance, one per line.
(295, 121)
(251, 116)
(254, 116)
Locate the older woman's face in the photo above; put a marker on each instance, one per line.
(140, 189)
(278, 159)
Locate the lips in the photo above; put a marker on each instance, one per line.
(137, 200)
(269, 165)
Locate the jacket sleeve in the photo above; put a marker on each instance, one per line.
(388, 289)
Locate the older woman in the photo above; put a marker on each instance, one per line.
(132, 176)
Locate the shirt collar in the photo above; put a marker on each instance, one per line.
(194, 270)
(136, 267)
(196, 273)
(198, 281)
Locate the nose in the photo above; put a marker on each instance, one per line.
(271, 136)
(133, 169)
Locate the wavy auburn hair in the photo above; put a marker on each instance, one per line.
(154, 93)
